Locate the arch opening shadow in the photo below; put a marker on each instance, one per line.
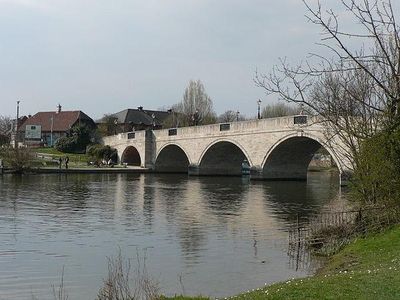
(291, 159)
(222, 159)
(131, 156)
(172, 159)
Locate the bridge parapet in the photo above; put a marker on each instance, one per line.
(123, 137)
(270, 124)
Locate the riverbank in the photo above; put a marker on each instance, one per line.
(90, 170)
(368, 268)
(82, 170)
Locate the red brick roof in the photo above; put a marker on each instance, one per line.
(62, 121)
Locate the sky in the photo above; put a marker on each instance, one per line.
(103, 56)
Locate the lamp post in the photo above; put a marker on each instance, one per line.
(259, 107)
(171, 112)
(153, 117)
(115, 126)
(237, 116)
(16, 127)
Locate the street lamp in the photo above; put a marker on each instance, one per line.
(153, 117)
(237, 116)
(259, 106)
(115, 126)
(16, 127)
(301, 108)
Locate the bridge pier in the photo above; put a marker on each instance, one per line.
(345, 177)
(256, 172)
(193, 170)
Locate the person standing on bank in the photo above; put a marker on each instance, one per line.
(59, 162)
(66, 162)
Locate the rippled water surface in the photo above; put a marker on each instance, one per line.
(214, 236)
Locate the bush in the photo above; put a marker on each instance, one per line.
(16, 158)
(377, 175)
(124, 283)
(99, 152)
(66, 144)
(82, 135)
(77, 140)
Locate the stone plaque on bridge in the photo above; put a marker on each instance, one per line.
(224, 127)
(172, 131)
(300, 120)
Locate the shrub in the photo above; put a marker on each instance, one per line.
(377, 175)
(99, 152)
(82, 135)
(77, 140)
(16, 158)
(124, 283)
(66, 144)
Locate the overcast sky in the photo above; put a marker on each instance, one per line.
(102, 56)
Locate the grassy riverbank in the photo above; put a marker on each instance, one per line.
(48, 157)
(369, 268)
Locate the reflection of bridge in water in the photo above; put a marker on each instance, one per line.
(276, 148)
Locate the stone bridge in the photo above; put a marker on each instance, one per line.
(276, 148)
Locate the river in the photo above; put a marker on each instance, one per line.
(215, 236)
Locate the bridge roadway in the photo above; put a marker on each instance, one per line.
(276, 148)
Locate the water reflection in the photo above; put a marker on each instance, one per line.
(224, 196)
(222, 235)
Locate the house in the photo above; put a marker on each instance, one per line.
(45, 128)
(139, 119)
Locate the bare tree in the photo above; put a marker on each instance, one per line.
(279, 110)
(6, 125)
(108, 125)
(356, 91)
(230, 116)
(196, 107)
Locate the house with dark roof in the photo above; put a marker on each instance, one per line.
(139, 119)
(47, 127)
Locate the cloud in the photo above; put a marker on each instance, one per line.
(129, 52)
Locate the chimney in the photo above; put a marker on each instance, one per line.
(58, 108)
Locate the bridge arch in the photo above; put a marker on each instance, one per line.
(223, 157)
(131, 156)
(290, 156)
(172, 158)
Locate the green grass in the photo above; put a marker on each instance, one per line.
(52, 155)
(369, 268)
(185, 298)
